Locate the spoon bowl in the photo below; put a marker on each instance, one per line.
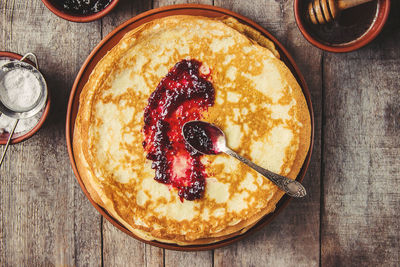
(208, 139)
(204, 137)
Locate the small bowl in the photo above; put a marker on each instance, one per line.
(19, 137)
(309, 30)
(79, 18)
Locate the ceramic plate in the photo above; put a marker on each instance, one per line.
(112, 39)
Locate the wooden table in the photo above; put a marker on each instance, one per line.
(350, 216)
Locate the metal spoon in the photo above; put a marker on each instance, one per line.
(207, 138)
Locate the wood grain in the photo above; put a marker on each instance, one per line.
(122, 250)
(45, 218)
(292, 238)
(362, 154)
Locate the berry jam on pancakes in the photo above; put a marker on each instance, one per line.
(183, 95)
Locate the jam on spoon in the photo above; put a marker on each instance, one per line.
(202, 137)
(207, 138)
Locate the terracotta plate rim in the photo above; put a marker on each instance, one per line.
(190, 9)
(42, 119)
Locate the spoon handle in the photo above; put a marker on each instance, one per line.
(8, 141)
(291, 187)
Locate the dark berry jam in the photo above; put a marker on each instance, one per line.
(202, 136)
(183, 95)
(81, 7)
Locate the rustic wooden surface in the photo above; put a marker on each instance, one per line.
(349, 217)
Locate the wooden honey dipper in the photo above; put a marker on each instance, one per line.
(324, 11)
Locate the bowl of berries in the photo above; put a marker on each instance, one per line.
(80, 10)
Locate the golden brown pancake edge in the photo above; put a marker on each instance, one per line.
(86, 173)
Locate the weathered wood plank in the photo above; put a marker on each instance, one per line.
(6, 8)
(360, 222)
(182, 259)
(292, 239)
(45, 219)
(120, 249)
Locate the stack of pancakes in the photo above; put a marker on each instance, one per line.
(258, 104)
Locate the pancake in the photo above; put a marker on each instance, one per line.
(256, 102)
